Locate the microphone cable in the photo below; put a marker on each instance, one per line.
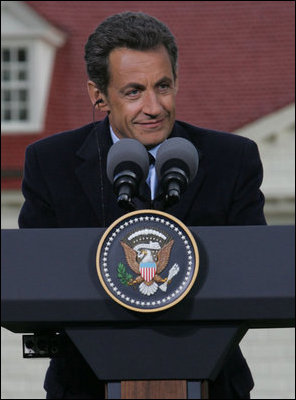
(101, 188)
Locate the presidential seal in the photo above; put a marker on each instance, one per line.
(147, 261)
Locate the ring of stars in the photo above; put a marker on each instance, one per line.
(126, 298)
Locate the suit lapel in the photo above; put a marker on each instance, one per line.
(92, 175)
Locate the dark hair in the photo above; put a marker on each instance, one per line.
(133, 30)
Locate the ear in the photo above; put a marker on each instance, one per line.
(95, 94)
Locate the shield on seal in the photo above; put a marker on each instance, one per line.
(147, 270)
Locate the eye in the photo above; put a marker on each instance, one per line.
(164, 87)
(133, 93)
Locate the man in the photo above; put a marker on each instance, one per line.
(131, 61)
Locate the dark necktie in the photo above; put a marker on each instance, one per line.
(151, 159)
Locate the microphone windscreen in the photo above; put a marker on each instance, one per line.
(127, 152)
(174, 150)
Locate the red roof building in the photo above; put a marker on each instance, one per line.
(236, 63)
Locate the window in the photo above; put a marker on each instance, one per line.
(15, 84)
(28, 48)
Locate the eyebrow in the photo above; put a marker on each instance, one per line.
(132, 85)
(135, 85)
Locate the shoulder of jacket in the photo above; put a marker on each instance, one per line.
(213, 136)
(65, 138)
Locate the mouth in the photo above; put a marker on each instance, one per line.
(151, 124)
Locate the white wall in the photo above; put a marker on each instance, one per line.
(271, 357)
(20, 378)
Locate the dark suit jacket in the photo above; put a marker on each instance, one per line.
(65, 185)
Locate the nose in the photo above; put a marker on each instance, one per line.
(151, 104)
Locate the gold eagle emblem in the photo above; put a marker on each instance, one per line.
(144, 259)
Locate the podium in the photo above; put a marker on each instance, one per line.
(245, 280)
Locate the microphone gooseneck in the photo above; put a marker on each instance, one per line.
(176, 166)
(127, 168)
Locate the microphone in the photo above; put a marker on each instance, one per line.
(176, 166)
(127, 168)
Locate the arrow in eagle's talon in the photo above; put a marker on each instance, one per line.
(172, 272)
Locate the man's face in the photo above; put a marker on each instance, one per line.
(141, 95)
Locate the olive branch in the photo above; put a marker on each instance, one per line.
(123, 276)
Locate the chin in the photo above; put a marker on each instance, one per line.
(152, 140)
(150, 144)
